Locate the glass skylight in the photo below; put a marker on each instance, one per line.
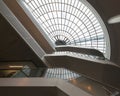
(61, 73)
(68, 22)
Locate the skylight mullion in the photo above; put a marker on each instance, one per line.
(46, 27)
(75, 24)
(44, 17)
(61, 12)
(68, 20)
(84, 15)
(71, 33)
(79, 13)
(75, 10)
(56, 13)
(81, 34)
(100, 32)
(97, 27)
(66, 6)
(92, 28)
(39, 10)
(69, 12)
(36, 15)
(27, 1)
(36, 10)
(53, 32)
(29, 6)
(72, 11)
(55, 38)
(45, 11)
(50, 72)
(84, 28)
(52, 13)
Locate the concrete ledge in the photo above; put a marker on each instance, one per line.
(102, 71)
(54, 87)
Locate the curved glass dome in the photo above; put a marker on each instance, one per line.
(68, 22)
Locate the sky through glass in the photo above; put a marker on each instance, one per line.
(68, 22)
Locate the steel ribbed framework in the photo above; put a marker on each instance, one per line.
(68, 22)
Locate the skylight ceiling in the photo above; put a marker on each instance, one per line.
(68, 22)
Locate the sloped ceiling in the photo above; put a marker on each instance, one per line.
(12, 46)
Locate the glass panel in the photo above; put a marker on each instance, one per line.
(68, 21)
(60, 73)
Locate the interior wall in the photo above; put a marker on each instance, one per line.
(28, 91)
(13, 47)
(108, 9)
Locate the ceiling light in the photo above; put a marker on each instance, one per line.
(16, 66)
(114, 19)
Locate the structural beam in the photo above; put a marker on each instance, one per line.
(78, 49)
(102, 71)
(20, 14)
